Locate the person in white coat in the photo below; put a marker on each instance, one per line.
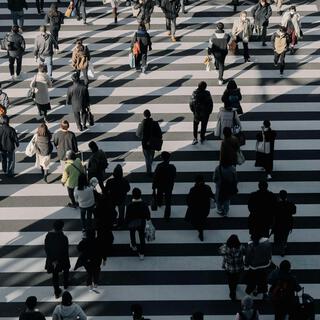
(227, 117)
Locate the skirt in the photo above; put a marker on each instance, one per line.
(43, 161)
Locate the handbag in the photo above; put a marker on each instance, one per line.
(32, 91)
(31, 147)
(150, 231)
(233, 46)
(240, 157)
(241, 138)
(68, 11)
(154, 205)
(235, 127)
(132, 60)
(263, 146)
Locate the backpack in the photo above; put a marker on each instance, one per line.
(155, 142)
(282, 291)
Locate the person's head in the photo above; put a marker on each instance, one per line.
(199, 179)
(220, 26)
(93, 146)
(246, 303)
(66, 299)
(118, 172)
(42, 68)
(292, 10)
(43, 130)
(31, 302)
(165, 155)
(79, 43)
(82, 181)
(43, 29)
(53, 7)
(232, 85)
(15, 29)
(64, 124)
(142, 27)
(267, 123)
(75, 77)
(137, 311)
(283, 194)
(136, 193)
(233, 241)
(227, 132)
(263, 2)
(147, 113)
(282, 29)
(243, 15)
(5, 120)
(58, 225)
(202, 85)
(263, 185)
(285, 266)
(70, 155)
(197, 316)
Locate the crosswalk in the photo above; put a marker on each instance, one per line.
(179, 275)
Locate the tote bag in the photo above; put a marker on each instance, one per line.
(263, 146)
(31, 147)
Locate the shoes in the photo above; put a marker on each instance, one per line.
(45, 178)
(90, 287)
(264, 44)
(281, 74)
(95, 286)
(85, 127)
(13, 78)
(141, 256)
(202, 140)
(168, 33)
(57, 293)
(200, 236)
(247, 60)
(184, 11)
(78, 18)
(84, 22)
(195, 141)
(133, 248)
(220, 82)
(71, 205)
(292, 50)
(173, 39)
(66, 286)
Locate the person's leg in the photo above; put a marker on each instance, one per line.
(204, 123)
(264, 34)
(148, 159)
(138, 61)
(77, 120)
(173, 26)
(11, 66)
(66, 278)
(167, 199)
(252, 282)
(282, 62)
(48, 62)
(83, 219)
(168, 26)
(78, 10)
(262, 286)
(83, 12)
(96, 275)
(144, 57)
(41, 5)
(142, 240)
(182, 6)
(14, 17)
(121, 210)
(10, 163)
(4, 160)
(159, 195)
(89, 217)
(233, 279)
(133, 238)
(226, 205)
(276, 58)
(84, 118)
(55, 280)
(221, 67)
(246, 55)
(21, 18)
(19, 64)
(71, 195)
(195, 129)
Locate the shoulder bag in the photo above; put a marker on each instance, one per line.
(263, 146)
(32, 91)
(31, 147)
(235, 127)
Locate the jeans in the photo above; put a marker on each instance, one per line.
(141, 60)
(171, 25)
(71, 195)
(245, 47)
(81, 116)
(55, 279)
(85, 75)
(48, 62)
(81, 7)
(12, 60)
(281, 57)
(257, 279)
(219, 59)
(167, 200)
(204, 123)
(17, 15)
(39, 5)
(233, 280)
(141, 238)
(86, 218)
(8, 162)
(148, 157)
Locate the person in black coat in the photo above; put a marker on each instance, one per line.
(232, 97)
(117, 188)
(201, 105)
(78, 97)
(16, 7)
(31, 313)
(261, 205)
(163, 181)
(55, 19)
(171, 10)
(198, 201)
(136, 215)
(283, 221)
(145, 11)
(143, 38)
(56, 246)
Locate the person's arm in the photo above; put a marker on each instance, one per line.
(74, 59)
(23, 44)
(69, 95)
(16, 139)
(209, 102)
(254, 10)
(133, 40)
(148, 216)
(65, 175)
(54, 42)
(178, 6)
(6, 102)
(237, 119)
(269, 13)
(49, 82)
(46, 19)
(88, 53)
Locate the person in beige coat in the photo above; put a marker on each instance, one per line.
(226, 118)
(41, 82)
(80, 60)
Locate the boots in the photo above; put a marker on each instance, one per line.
(45, 175)
(115, 14)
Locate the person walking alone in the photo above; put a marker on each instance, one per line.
(81, 10)
(17, 14)
(80, 60)
(232, 97)
(229, 148)
(145, 8)
(171, 10)
(201, 105)
(55, 19)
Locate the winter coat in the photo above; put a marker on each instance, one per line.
(55, 20)
(137, 209)
(242, 29)
(31, 315)
(280, 42)
(78, 97)
(201, 104)
(228, 151)
(43, 45)
(283, 216)
(261, 14)
(265, 160)
(149, 129)
(226, 182)
(97, 164)
(16, 44)
(64, 141)
(218, 43)
(231, 100)
(68, 312)
(170, 8)
(84, 197)
(226, 118)
(164, 176)
(43, 145)
(258, 256)
(71, 173)
(56, 246)
(17, 5)
(144, 40)
(8, 138)
(42, 83)
(80, 58)
(145, 12)
(295, 20)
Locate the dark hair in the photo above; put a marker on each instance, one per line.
(66, 299)
(232, 85)
(78, 41)
(58, 225)
(285, 266)
(5, 120)
(15, 29)
(82, 181)
(142, 26)
(283, 29)
(202, 85)
(137, 310)
(220, 26)
(31, 302)
(70, 155)
(53, 10)
(64, 124)
(75, 77)
(197, 315)
(165, 155)
(43, 130)
(136, 193)
(147, 113)
(293, 8)
(263, 185)
(93, 146)
(233, 241)
(227, 132)
(267, 123)
(199, 179)
(42, 68)
(256, 236)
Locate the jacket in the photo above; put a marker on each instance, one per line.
(228, 151)
(295, 21)
(201, 104)
(137, 209)
(97, 164)
(43, 145)
(54, 20)
(231, 100)
(8, 138)
(78, 97)
(42, 83)
(218, 43)
(17, 5)
(44, 44)
(242, 29)
(145, 12)
(261, 14)
(280, 42)
(164, 176)
(64, 141)
(258, 256)
(71, 172)
(226, 182)
(84, 197)
(31, 315)
(144, 40)
(233, 258)
(150, 129)
(80, 58)
(90, 254)
(226, 118)
(283, 216)
(170, 8)
(16, 44)
(68, 312)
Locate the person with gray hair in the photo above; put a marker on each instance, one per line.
(248, 311)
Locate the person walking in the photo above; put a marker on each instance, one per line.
(80, 60)
(265, 148)
(15, 49)
(39, 5)
(141, 39)
(233, 262)
(261, 13)
(56, 246)
(229, 148)
(248, 311)
(218, 47)
(31, 313)
(241, 32)
(43, 48)
(257, 260)
(279, 4)
(43, 150)
(8, 143)
(97, 164)
(150, 134)
(201, 105)
(232, 96)
(145, 8)
(17, 13)
(70, 176)
(117, 188)
(261, 205)
(282, 291)
(280, 42)
(163, 182)
(41, 82)
(4, 101)
(64, 140)
(171, 10)
(283, 221)
(291, 19)
(225, 179)
(81, 10)
(68, 310)
(136, 215)
(55, 19)
(198, 202)
(78, 98)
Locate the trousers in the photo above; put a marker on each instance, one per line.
(141, 238)
(18, 61)
(219, 59)
(203, 130)
(167, 194)
(171, 25)
(17, 16)
(148, 157)
(8, 162)
(279, 57)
